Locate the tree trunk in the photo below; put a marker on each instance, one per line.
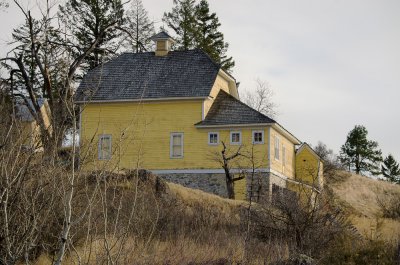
(230, 187)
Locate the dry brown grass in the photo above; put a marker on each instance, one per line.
(360, 195)
(200, 228)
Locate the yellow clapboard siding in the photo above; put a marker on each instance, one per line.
(141, 136)
(240, 189)
(286, 168)
(308, 167)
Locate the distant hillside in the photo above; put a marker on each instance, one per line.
(361, 196)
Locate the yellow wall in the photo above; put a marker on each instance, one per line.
(307, 166)
(30, 131)
(141, 132)
(220, 83)
(240, 189)
(286, 169)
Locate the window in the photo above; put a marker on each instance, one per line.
(236, 137)
(258, 137)
(213, 138)
(176, 145)
(276, 148)
(105, 147)
(283, 155)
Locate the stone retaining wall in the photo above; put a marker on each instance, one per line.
(215, 183)
(212, 183)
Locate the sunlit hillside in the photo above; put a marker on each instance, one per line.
(363, 196)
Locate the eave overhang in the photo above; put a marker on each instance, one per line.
(276, 126)
(139, 100)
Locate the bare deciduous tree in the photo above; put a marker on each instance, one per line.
(262, 99)
(330, 159)
(3, 4)
(44, 64)
(138, 27)
(226, 159)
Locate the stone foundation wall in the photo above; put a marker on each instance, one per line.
(261, 187)
(212, 183)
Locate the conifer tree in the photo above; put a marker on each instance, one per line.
(391, 169)
(88, 21)
(359, 153)
(182, 21)
(196, 27)
(139, 28)
(209, 38)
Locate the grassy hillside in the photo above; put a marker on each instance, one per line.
(171, 224)
(362, 197)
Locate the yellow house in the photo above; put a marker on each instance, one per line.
(28, 127)
(169, 112)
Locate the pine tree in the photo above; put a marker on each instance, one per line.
(139, 27)
(196, 27)
(88, 20)
(209, 38)
(391, 169)
(359, 153)
(182, 21)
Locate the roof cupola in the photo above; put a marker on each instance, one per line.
(163, 43)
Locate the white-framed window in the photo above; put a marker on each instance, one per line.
(276, 148)
(258, 137)
(176, 145)
(213, 138)
(105, 147)
(283, 155)
(236, 137)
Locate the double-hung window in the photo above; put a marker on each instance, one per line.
(213, 138)
(105, 147)
(176, 145)
(236, 137)
(283, 155)
(258, 137)
(276, 149)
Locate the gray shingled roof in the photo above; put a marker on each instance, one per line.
(227, 110)
(146, 76)
(22, 110)
(161, 35)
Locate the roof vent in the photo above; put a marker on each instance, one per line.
(163, 43)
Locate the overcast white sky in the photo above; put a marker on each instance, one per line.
(332, 64)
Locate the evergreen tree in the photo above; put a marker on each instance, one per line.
(139, 27)
(359, 153)
(196, 27)
(88, 20)
(391, 169)
(182, 21)
(209, 38)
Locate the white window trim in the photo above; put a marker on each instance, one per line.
(209, 133)
(258, 131)
(240, 136)
(277, 143)
(171, 153)
(283, 154)
(101, 136)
